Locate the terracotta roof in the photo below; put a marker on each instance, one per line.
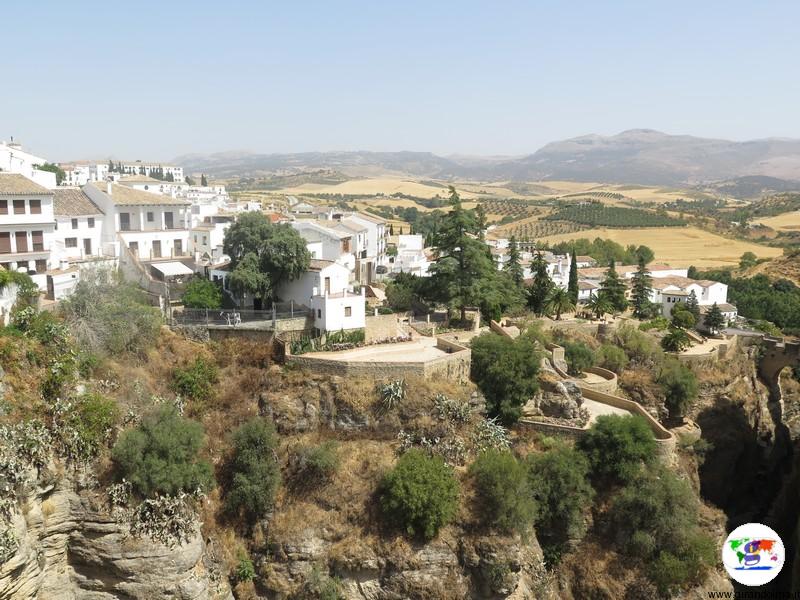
(72, 202)
(677, 293)
(125, 196)
(371, 218)
(659, 283)
(317, 264)
(724, 307)
(14, 184)
(140, 179)
(585, 259)
(587, 285)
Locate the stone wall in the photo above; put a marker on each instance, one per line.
(553, 429)
(607, 386)
(218, 334)
(380, 327)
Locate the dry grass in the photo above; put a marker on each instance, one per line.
(375, 185)
(789, 221)
(679, 246)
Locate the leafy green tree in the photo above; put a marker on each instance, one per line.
(497, 294)
(420, 495)
(503, 490)
(682, 317)
(202, 293)
(203, 180)
(53, 168)
(161, 454)
(679, 385)
(253, 470)
(714, 319)
(677, 340)
(541, 286)
(617, 446)
(462, 260)
(263, 255)
(644, 254)
(613, 288)
(579, 357)
(572, 285)
(559, 480)
(559, 301)
(748, 260)
(641, 289)
(506, 371)
(513, 266)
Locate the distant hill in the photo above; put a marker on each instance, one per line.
(754, 186)
(639, 156)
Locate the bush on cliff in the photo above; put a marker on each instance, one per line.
(617, 446)
(503, 491)
(253, 470)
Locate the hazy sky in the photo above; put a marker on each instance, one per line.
(157, 79)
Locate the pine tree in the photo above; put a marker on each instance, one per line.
(613, 289)
(714, 320)
(542, 284)
(203, 180)
(391, 229)
(401, 230)
(480, 219)
(572, 286)
(693, 306)
(642, 288)
(513, 267)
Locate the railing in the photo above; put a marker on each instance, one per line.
(234, 317)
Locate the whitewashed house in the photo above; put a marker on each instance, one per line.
(79, 225)
(376, 237)
(27, 224)
(325, 289)
(13, 159)
(151, 226)
(411, 257)
(335, 245)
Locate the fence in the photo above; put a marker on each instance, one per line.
(235, 317)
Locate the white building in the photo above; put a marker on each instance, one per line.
(336, 246)
(152, 226)
(13, 159)
(26, 227)
(145, 183)
(207, 239)
(376, 237)
(325, 289)
(411, 257)
(81, 173)
(79, 225)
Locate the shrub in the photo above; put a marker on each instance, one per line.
(654, 518)
(612, 358)
(616, 447)
(677, 340)
(682, 317)
(86, 425)
(160, 455)
(253, 470)
(559, 480)
(503, 490)
(202, 293)
(506, 371)
(316, 464)
(420, 495)
(658, 323)
(245, 571)
(196, 381)
(640, 347)
(579, 357)
(679, 385)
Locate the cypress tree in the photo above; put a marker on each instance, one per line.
(714, 320)
(613, 288)
(572, 286)
(542, 284)
(693, 306)
(642, 287)
(203, 180)
(513, 266)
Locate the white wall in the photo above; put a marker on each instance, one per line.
(83, 232)
(331, 313)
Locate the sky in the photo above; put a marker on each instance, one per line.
(154, 80)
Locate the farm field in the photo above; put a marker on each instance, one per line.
(786, 222)
(382, 185)
(680, 247)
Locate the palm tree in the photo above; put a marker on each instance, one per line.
(559, 301)
(598, 305)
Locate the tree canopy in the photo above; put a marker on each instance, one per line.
(202, 293)
(263, 255)
(613, 289)
(642, 287)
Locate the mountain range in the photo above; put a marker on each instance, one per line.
(642, 156)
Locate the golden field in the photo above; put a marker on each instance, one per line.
(379, 185)
(679, 246)
(789, 221)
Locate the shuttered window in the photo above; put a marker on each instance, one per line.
(38, 241)
(5, 242)
(19, 207)
(36, 207)
(3, 207)
(22, 241)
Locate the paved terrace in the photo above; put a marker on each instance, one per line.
(419, 350)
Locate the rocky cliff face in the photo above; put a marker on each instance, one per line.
(70, 548)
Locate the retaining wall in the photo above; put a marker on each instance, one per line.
(380, 327)
(609, 383)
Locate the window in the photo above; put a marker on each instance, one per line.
(3, 207)
(22, 241)
(348, 311)
(134, 247)
(36, 207)
(38, 241)
(90, 222)
(71, 242)
(150, 217)
(74, 223)
(5, 242)
(319, 313)
(41, 266)
(19, 207)
(205, 240)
